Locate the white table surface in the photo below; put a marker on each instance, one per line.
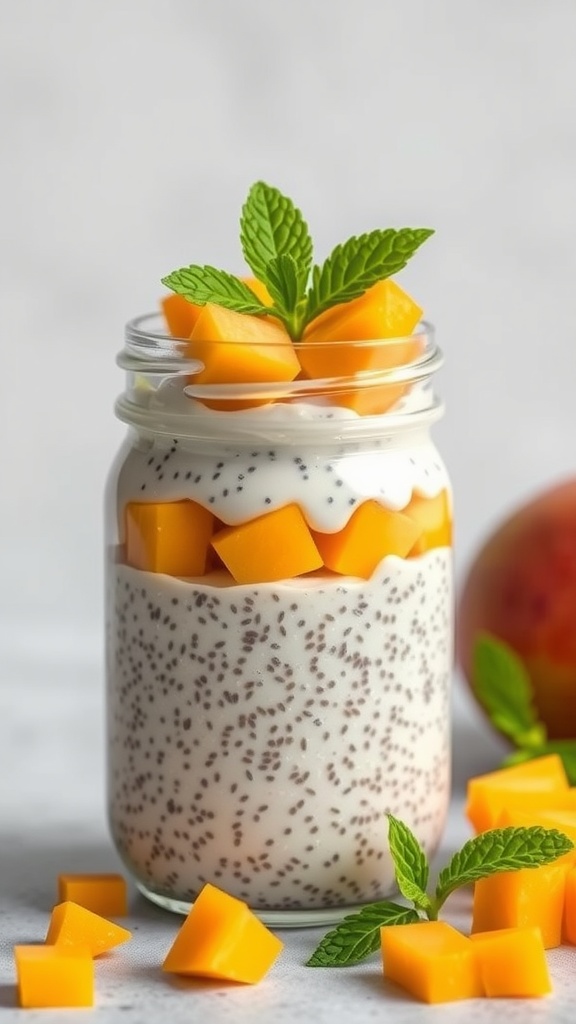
(52, 819)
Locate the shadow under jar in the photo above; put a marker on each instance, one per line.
(279, 626)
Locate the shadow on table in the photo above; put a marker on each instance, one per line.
(7, 997)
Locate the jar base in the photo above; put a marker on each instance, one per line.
(297, 918)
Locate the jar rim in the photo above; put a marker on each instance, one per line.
(151, 355)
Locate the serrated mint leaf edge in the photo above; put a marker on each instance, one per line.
(259, 236)
(529, 855)
(368, 938)
(410, 862)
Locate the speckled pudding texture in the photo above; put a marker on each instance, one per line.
(258, 734)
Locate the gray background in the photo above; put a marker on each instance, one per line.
(130, 133)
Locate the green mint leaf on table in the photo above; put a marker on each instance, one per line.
(358, 935)
(500, 849)
(207, 284)
(410, 863)
(502, 685)
(271, 226)
(355, 265)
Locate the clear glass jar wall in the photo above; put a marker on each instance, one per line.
(279, 628)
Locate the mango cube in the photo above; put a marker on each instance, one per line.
(274, 546)
(384, 311)
(531, 897)
(48, 976)
(434, 517)
(237, 348)
(431, 960)
(222, 938)
(74, 927)
(106, 894)
(369, 535)
(171, 537)
(569, 917)
(512, 962)
(531, 784)
(180, 315)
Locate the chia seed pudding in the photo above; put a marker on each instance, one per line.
(259, 733)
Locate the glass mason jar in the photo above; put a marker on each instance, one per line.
(279, 625)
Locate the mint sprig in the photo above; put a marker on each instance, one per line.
(277, 247)
(504, 689)
(502, 849)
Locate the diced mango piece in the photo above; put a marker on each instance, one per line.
(434, 517)
(529, 784)
(274, 546)
(370, 534)
(75, 927)
(180, 315)
(236, 348)
(48, 976)
(106, 894)
(431, 960)
(384, 311)
(569, 916)
(558, 813)
(170, 537)
(222, 938)
(512, 962)
(260, 290)
(531, 897)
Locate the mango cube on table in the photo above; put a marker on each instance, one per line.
(49, 976)
(105, 894)
(74, 927)
(512, 962)
(221, 938)
(531, 785)
(431, 960)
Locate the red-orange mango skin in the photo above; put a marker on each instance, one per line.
(522, 588)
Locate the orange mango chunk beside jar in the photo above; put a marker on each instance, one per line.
(221, 938)
(74, 927)
(530, 784)
(431, 960)
(512, 962)
(104, 894)
(53, 977)
(530, 897)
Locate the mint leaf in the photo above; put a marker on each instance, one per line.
(271, 226)
(355, 265)
(358, 935)
(500, 849)
(206, 284)
(287, 286)
(503, 687)
(410, 863)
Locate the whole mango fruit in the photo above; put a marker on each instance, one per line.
(521, 587)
